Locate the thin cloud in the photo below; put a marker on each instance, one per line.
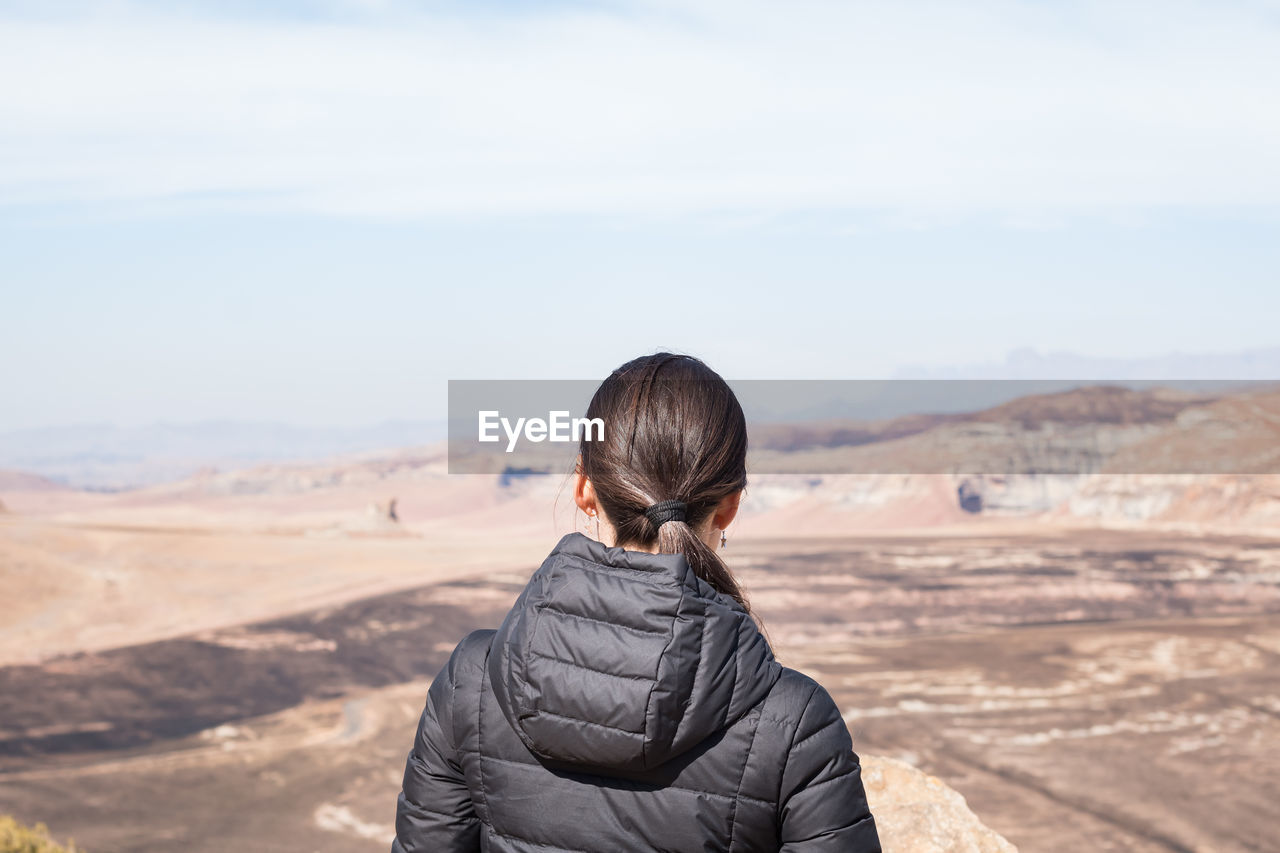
(651, 108)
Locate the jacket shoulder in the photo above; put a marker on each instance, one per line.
(822, 804)
(454, 690)
(468, 659)
(793, 709)
(802, 717)
(790, 695)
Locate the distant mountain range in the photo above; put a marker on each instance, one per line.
(107, 457)
(800, 414)
(1101, 455)
(1028, 363)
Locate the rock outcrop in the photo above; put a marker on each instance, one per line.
(918, 813)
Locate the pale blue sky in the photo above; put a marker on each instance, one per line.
(320, 212)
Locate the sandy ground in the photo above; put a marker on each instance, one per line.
(87, 572)
(85, 587)
(237, 661)
(1110, 692)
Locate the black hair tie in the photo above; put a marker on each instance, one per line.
(664, 511)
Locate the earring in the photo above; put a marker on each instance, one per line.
(724, 540)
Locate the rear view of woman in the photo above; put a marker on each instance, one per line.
(628, 701)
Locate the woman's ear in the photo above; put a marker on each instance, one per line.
(584, 494)
(727, 510)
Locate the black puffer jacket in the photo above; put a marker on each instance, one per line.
(626, 705)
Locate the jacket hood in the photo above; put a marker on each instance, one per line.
(622, 660)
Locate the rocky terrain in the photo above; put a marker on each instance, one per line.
(918, 812)
(236, 660)
(294, 730)
(1109, 721)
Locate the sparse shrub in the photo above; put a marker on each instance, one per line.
(16, 838)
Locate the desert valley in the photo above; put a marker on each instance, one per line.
(237, 659)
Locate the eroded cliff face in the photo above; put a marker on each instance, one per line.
(1097, 456)
(918, 813)
(846, 503)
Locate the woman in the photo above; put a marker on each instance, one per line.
(629, 701)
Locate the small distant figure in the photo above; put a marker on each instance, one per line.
(379, 512)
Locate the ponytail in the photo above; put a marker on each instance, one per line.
(674, 447)
(677, 537)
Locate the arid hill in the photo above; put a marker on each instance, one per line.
(1087, 406)
(21, 481)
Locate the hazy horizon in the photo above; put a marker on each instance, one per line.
(1023, 363)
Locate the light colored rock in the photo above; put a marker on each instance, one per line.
(918, 813)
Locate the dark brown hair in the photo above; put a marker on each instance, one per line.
(674, 431)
